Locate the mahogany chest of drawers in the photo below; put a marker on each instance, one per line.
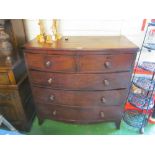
(81, 79)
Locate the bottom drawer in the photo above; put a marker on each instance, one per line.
(80, 115)
(7, 97)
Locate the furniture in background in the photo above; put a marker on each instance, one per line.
(16, 103)
(3, 121)
(142, 101)
(8, 125)
(81, 79)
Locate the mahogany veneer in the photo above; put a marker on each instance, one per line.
(82, 79)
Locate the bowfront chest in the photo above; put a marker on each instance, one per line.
(81, 79)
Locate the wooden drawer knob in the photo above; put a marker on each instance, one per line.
(51, 98)
(54, 112)
(102, 114)
(103, 100)
(48, 63)
(50, 80)
(107, 64)
(106, 82)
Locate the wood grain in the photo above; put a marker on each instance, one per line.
(80, 115)
(85, 79)
(51, 62)
(84, 43)
(81, 81)
(79, 98)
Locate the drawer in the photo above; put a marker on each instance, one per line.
(9, 112)
(106, 63)
(81, 81)
(79, 98)
(80, 115)
(7, 97)
(8, 103)
(55, 63)
(4, 78)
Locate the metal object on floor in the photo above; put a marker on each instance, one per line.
(144, 83)
(138, 118)
(6, 123)
(134, 118)
(140, 101)
(149, 46)
(148, 66)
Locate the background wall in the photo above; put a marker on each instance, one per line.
(130, 28)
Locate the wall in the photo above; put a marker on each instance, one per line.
(130, 28)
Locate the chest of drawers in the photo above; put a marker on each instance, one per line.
(82, 79)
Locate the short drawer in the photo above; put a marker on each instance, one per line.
(55, 63)
(80, 115)
(81, 81)
(9, 112)
(106, 63)
(79, 98)
(4, 78)
(8, 103)
(7, 97)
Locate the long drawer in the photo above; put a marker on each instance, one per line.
(81, 115)
(81, 81)
(79, 98)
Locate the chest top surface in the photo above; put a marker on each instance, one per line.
(85, 43)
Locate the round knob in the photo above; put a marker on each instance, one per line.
(50, 80)
(48, 63)
(106, 82)
(107, 64)
(54, 112)
(102, 114)
(51, 98)
(103, 100)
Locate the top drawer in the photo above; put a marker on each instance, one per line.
(55, 63)
(82, 63)
(106, 63)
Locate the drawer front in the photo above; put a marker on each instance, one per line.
(8, 102)
(81, 81)
(80, 115)
(79, 98)
(9, 112)
(4, 78)
(7, 97)
(55, 63)
(106, 63)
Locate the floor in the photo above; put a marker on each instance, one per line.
(50, 127)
